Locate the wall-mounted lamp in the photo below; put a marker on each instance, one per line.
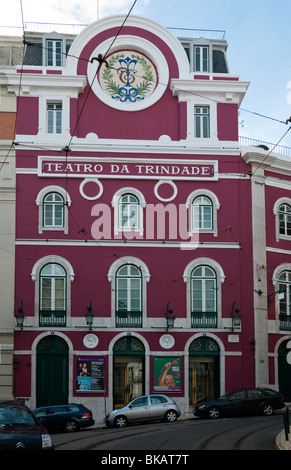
(89, 315)
(170, 319)
(19, 317)
(235, 316)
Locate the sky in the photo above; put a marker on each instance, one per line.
(257, 32)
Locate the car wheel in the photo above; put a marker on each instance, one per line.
(71, 426)
(268, 410)
(214, 412)
(120, 422)
(171, 416)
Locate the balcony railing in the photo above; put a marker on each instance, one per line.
(128, 319)
(49, 318)
(187, 33)
(281, 149)
(204, 320)
(285, 322)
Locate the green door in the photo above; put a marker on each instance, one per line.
(52, 371)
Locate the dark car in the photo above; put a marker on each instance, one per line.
(20, 430)
(145, 408)
(244, 401)
(68, 418)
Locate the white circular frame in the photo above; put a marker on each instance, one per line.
(165, 182)
(91, 180)
(130, 43)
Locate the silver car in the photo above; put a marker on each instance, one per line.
(145, 408)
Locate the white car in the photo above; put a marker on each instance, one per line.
(145, 408)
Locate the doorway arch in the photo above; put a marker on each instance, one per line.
(128, 370)
(204, 370)
(52, 371)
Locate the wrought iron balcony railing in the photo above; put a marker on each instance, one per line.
(203, 320)
(128, 319)
(49, 318)
(285, 322)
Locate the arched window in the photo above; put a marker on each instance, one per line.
(284, 215)
(281, 296)
(203, 206)
(203, 297)
(128, 214)
(284, 293)
(53, 210)
(53, 295)
(53, 214)
(202, 218)
(128, 204)
(204, 278)
(129, 277)
(128, 290)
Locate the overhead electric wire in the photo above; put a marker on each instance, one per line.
(67, 148)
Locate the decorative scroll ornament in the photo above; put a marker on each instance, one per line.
(130, 77)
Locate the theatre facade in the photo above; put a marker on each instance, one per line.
(141, 234)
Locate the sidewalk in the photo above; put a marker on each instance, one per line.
(281, 443)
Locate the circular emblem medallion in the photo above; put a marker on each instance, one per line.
(90, 341)
(130, 77)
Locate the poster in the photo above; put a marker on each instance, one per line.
(91, 374)
(167, 374)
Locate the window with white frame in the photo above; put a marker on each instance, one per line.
(284, 293)
(282, 212)
(54, 117)
(284, 215)
(128, 215)
(201, 122)
(129, 277)
(128, 289)
(52, 276)
(204, 278)
(202, 218)
(203, 207)
(53, 288)
(53, 209)
(203, 290)
(128, 204)
(54, 56)
(201, 58)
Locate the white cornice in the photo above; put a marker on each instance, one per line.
(223, 90)
(34, 84)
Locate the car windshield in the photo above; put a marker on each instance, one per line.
(12, 415)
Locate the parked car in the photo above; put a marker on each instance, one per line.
(19, 429)
(144, 408)
(68, 418)
(244, 401)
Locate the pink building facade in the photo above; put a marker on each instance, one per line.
(136, 203)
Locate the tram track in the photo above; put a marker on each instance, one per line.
(200, 435)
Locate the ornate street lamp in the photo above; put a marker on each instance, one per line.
(19, 317)
(89, 315)
(170, 319)
(236, 317)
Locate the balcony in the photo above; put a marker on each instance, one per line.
(48, 318)
(285, 322)
(204, 320)
(128, 319)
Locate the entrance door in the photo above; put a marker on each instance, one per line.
(201, 380)
(128, 370)
(52, 371)
(204, 371)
